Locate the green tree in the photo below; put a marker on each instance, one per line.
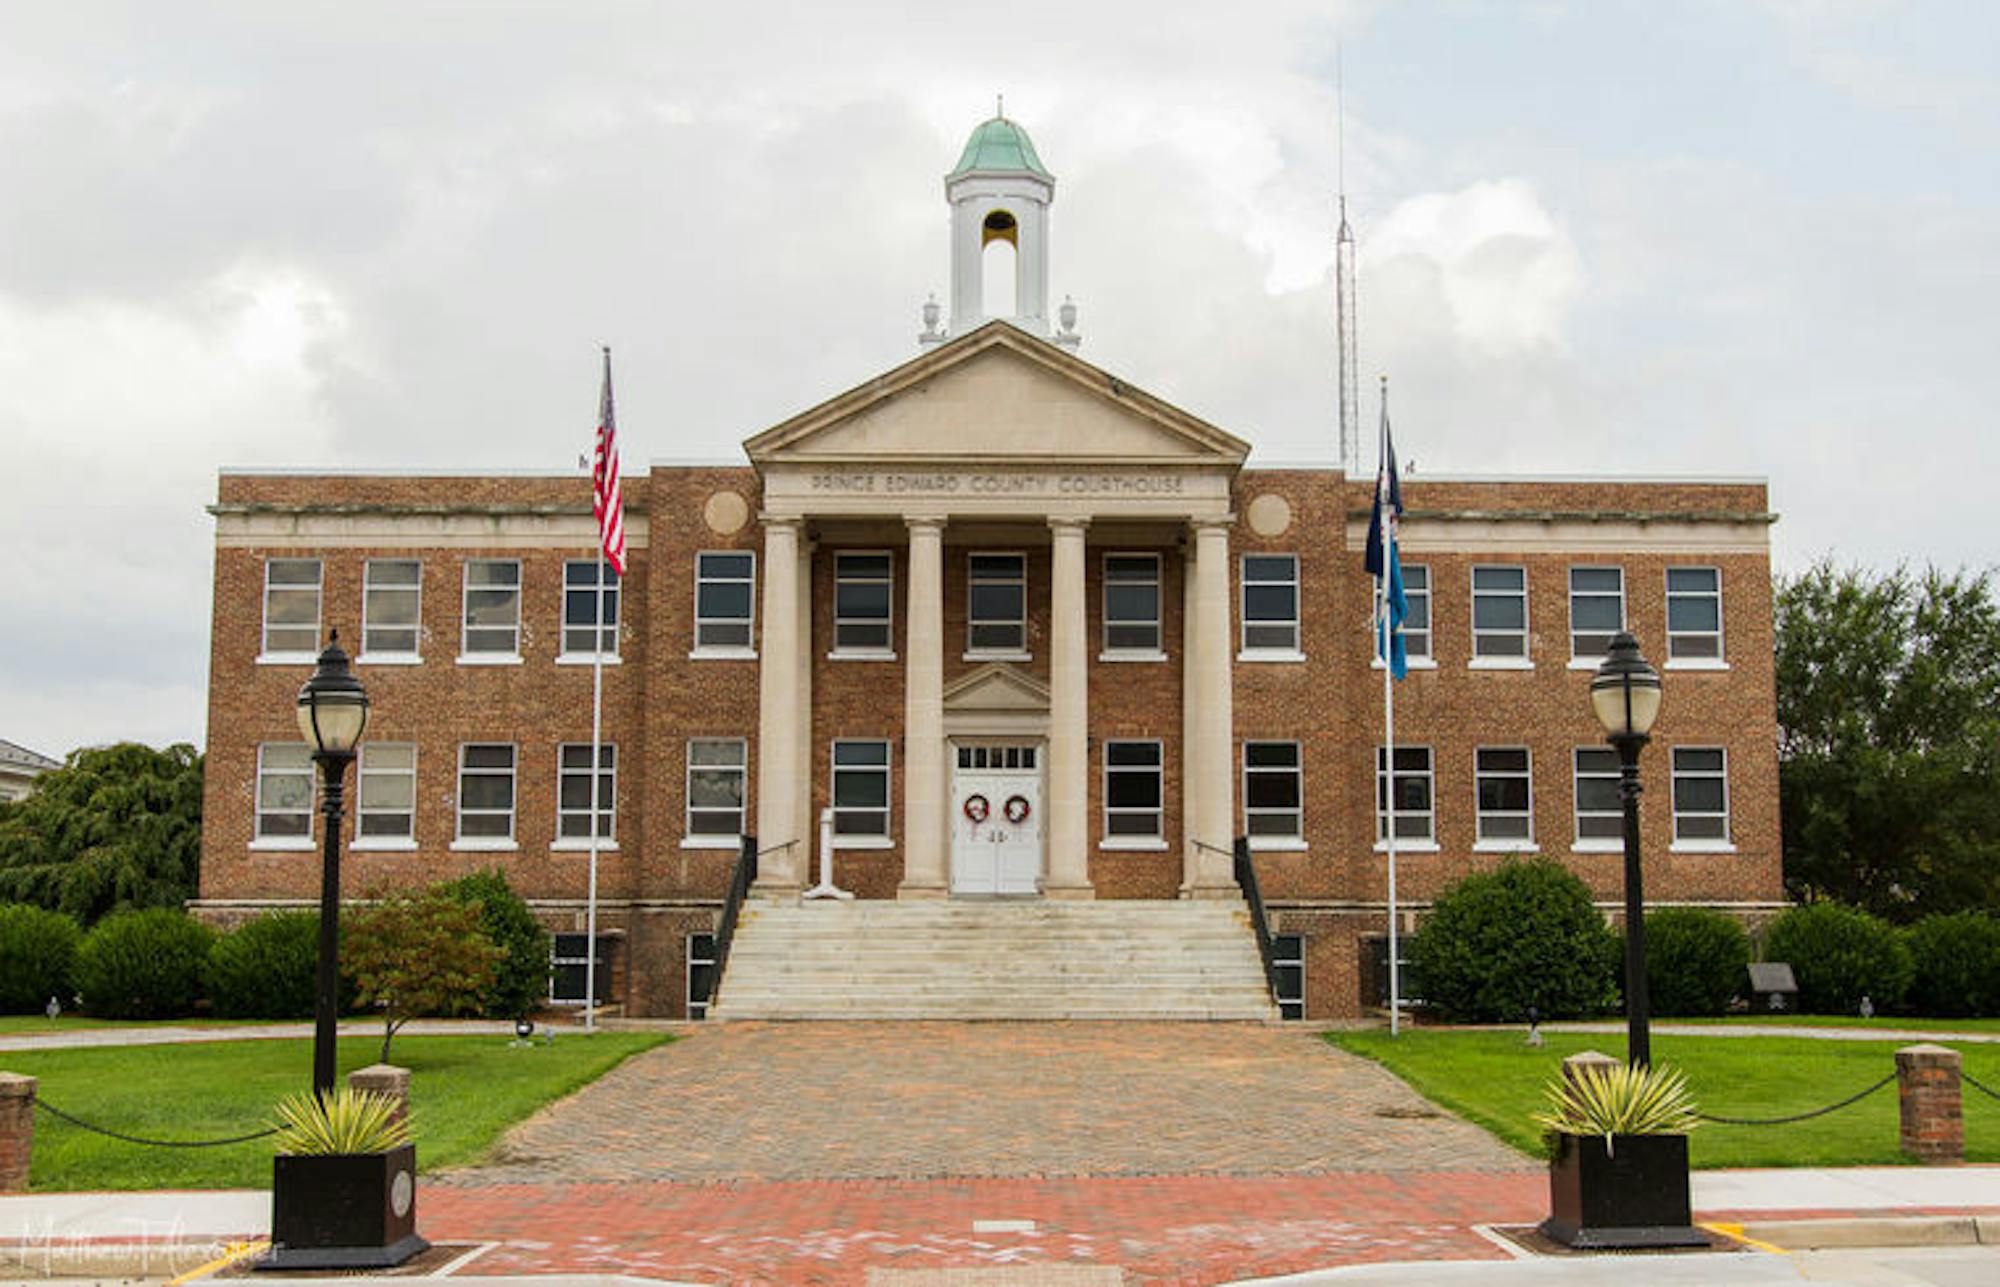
(417, 954)
(1889, 739)
(521, 982)
(115, 828)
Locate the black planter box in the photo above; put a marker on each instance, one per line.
(343, 1210)
(1633, 1194)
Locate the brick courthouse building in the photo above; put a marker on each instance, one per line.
(1029, 633)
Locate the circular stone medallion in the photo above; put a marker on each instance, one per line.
(726, 513)
(401, 1190)
(1270, 515)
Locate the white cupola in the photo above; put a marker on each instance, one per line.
(1000, 195)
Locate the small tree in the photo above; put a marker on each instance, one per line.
(417, 954)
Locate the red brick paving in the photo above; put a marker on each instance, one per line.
(1160, 1229)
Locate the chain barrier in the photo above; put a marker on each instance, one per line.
(1976, 1085)
(1796, 1117)
(53, 1111)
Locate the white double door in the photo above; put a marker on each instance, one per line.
(996, 839)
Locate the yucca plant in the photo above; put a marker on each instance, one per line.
(346, 1121)
(1621, 1100)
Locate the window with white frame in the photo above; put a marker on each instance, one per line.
(1600, 816)
(1596, 610)
(1271, 603)
(862, 591)
(284, 792)
(386, 786)
(1132, 603)
(1414, 811)
(724, 598)
(717, 778)
(1499, 612)
(861, 789)
(1288, 968)
(486, 791)
(1701, 795)
(700, 974)
(1417, 620)
(569, 961)
(1132, 791)
(391, 607)
(1273, 791)
(583, 632)
(1694, 614)
(492, 607)
(1505, 791)
(291, 607)
(996, 615)
(573, 792)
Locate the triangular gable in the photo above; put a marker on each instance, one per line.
(997, 393)
(997, 688)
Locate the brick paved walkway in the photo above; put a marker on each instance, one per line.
(1193, 1230)
(823, 1101)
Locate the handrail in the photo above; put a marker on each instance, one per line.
(1246, 878)
(740, 877)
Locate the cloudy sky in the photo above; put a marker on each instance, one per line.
(1663, 236)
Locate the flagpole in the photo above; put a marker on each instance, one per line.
(596, 753)
(1385, 645)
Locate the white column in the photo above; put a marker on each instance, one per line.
(1212, 762)
(1191, 717)
(777, 720)
(1069, 716)
(923, 716)
(807, 826)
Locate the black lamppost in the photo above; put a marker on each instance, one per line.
(1625, 696)
(333, 711)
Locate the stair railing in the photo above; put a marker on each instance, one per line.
(740, 878)
(1246, 879)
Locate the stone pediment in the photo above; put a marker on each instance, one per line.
(997, 396)
(997, 689)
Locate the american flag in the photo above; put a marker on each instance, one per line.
(604, 499)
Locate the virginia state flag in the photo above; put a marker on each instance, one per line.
(1382, 559)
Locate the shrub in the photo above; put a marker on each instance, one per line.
(266, 968)
(521, 981)
(143, 965)
(1696, 960)
(1957, 965)
(1525, 935)
(1838, 955)
(37, 953)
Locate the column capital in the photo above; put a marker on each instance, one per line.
(796, 522)
(1068, 522)
(925, 522)
(1219, 525)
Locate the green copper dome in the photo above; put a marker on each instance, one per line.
(999, 144)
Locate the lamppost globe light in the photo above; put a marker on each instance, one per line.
(333, 706)
(1625, 695)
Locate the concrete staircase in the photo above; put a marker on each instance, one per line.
(960, 959)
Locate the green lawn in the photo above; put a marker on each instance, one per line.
(1899, 1023)
(31, 1024)
(1495, 1079)
(464, 1092)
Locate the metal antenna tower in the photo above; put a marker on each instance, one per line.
(1344, 289)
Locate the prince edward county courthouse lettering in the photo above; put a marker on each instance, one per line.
(1024, 654)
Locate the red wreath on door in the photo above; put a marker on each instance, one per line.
(976, 808)
(1017, 809)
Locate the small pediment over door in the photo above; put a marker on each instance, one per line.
(996, 700)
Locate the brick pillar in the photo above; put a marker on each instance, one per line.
(1928, 1090)
(384, 1079)
(17, 1130)
(1587, 1063)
